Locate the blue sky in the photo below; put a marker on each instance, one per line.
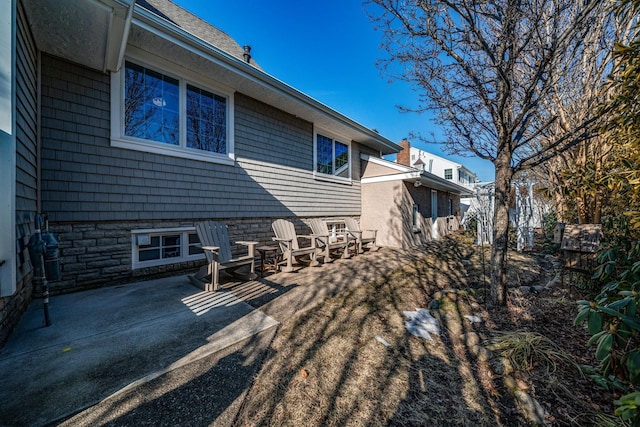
(327, 49)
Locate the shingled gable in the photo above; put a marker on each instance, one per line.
(198, 27)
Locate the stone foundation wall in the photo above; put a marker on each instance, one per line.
(99, 254)
(11, 308)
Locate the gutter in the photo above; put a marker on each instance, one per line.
(125, 35)
(429, 177)
(120, 16)
(152, 22)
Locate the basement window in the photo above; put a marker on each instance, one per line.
(153, 247)
(337, 230)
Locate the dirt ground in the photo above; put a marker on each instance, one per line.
(351, 361)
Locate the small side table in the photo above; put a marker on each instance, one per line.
(264, 264)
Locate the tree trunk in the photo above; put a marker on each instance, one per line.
(504, 175)
(582, 209)
(596, 218)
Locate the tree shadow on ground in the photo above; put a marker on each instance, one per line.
(203, 392)
(330, 365)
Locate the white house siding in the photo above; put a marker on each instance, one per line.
(437, 166)
(96, 194)
(12, 307)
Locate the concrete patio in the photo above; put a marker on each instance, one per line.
(160, 352)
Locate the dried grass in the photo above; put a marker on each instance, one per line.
(326, 367)
(527, 349)
(350, 378)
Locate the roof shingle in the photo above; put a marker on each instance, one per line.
(189, 22)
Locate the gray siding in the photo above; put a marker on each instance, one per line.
(85, 179)
(11, 308)
(26, 128)
(270, 135)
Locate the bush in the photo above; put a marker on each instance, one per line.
(613, 317)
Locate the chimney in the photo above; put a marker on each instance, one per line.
(247, 54)
(404, 156)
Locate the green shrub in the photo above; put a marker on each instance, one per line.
(613, 317)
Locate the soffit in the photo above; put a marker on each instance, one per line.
(88, 32)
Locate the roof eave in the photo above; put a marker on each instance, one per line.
(411, 174)
(444, 184)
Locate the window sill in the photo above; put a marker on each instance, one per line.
(329, 178)
(149, 147)
(166, 261)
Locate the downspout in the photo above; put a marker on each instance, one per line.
(118, 35)
(125, 34)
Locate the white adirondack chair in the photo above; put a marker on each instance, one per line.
(354, 229)
(288, 240)
(214, 238)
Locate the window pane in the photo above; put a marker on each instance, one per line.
(170, 252)
(342, 159)
(195, 250)
(154, 243)
(151, 105)
(206, 120)
(324, 155)
(148, 255)
(173, 240)
(171, 246)
(193, 241)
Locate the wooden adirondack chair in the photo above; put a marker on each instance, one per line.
(354, 229)
(214, 238)
(321, 230)
(288, 240)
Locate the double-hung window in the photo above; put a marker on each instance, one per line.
(156, 111)
(332, 158)
(448, 174)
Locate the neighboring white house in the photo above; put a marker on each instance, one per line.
(442, 167)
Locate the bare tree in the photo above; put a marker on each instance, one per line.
(575, 176)
(489, 70)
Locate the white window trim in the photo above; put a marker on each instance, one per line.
(323, 176)
(184, 247)
(120, 140)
